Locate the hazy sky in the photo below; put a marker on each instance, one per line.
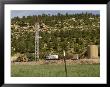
(21, 13)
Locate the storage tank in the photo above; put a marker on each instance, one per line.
(92, 51)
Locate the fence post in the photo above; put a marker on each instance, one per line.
(65, 64)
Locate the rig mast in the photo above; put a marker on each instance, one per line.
(37, 26)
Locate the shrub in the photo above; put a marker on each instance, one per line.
(30, 56)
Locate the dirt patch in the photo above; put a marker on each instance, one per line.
(69, 61)
(89, 61)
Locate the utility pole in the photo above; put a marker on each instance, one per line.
(37, 41)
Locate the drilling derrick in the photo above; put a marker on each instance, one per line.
(37, 26)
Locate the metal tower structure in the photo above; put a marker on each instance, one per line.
(37, 26)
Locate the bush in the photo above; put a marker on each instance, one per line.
(30, 56)
(66, 56)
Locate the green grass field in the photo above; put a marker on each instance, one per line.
(53, 70)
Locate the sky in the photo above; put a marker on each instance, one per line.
(21, 13)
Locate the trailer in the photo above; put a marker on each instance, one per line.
(52, 57)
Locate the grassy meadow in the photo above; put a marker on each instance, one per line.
(54, 70)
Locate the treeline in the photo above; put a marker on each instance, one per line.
(53, 19)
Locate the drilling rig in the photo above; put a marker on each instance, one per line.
(37, 28)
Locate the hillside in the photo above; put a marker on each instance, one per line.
(69, 32)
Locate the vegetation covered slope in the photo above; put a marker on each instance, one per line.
(69, 32)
